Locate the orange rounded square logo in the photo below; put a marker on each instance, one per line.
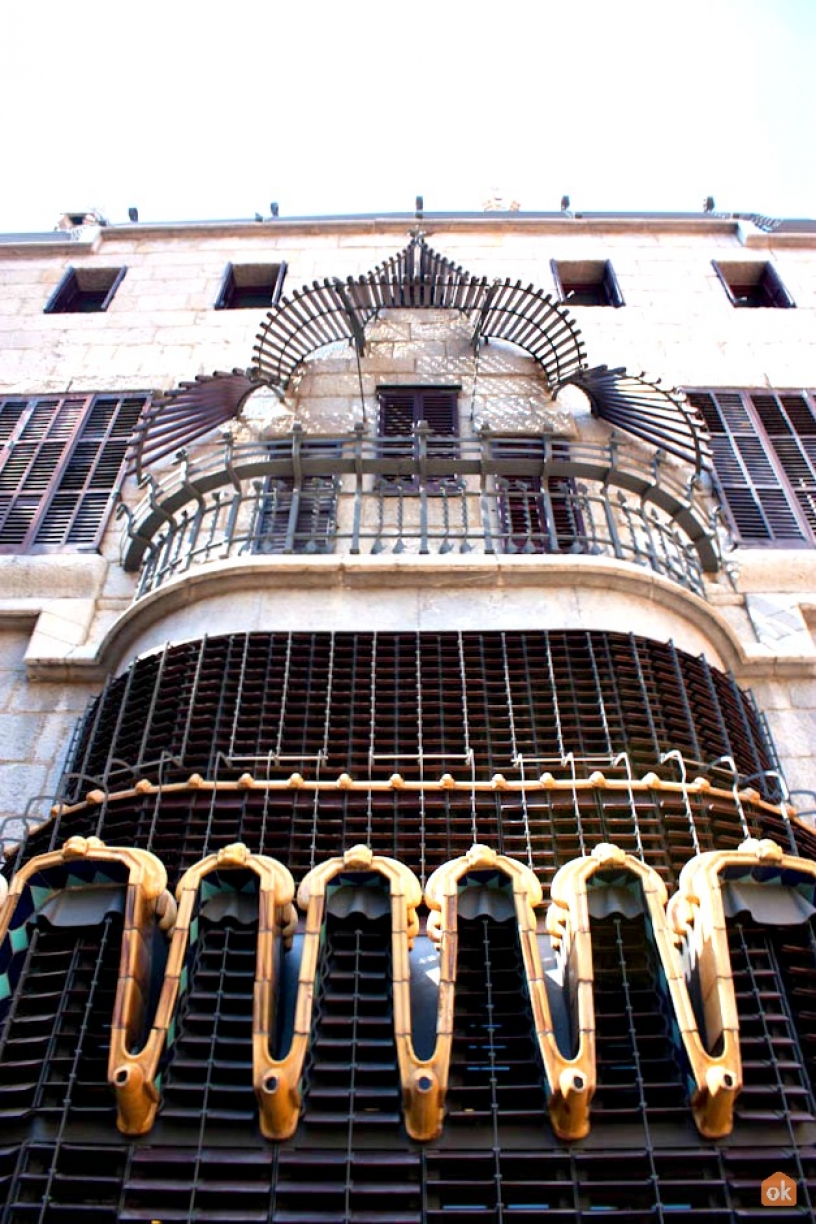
(779, 1190)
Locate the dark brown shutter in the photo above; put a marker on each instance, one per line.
(397, 413)
(762, 505)
(611, 287)
(401, 408)
(775, 292)
(59, 466)
(532, 521)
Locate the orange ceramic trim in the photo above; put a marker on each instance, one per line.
(718, 1078)
(132, 1074)
(570, 1079)
(546, 782)
(697, 921)
(147, 902)
(280, 1079)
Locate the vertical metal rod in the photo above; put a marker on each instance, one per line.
(554, 696)
(284, 696)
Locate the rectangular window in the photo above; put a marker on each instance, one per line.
(303, 520)
(85, 290)
(61, 458)
(537, 514)
(588, 282)
(251, 286)
(764, 448)
(401, 410)
(753, 283)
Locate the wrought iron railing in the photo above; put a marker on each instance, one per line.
(519, 495)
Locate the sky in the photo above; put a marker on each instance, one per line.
(204, 111)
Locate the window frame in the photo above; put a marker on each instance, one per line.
(230, 286)
(747, 490)
(77, 460)
(601, 269)
(70, 289)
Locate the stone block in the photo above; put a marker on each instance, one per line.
(19, 785)
(47, 698)
(18, 734)
(53, 738)
(794, 734)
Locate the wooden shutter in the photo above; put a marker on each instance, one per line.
(315, 521)
(397, 413)
(775, 292)
(401, 408)
(791, 426)
(751, 475)
(611, 287)
(60, 462)
(532, 520)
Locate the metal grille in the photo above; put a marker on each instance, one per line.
(422, 704)
(370, 704)
(54, 1045)
(642, 1076)
(208, 1079)
(351, 1082)
(776, 1084)
(496, 1081)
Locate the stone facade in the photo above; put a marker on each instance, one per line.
(65, 620)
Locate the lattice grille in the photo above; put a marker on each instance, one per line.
(351, 1081)
(423, 704)
(419, 704)
(54, 1045)
(496, 1075)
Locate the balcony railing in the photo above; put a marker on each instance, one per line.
(518, 495)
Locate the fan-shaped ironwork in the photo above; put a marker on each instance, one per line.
(316, 315)
(530, 319)
(186, 413)
(416, 278)
(659, 415)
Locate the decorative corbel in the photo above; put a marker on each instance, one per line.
(277, 1081)
(132, 1073)
(571, 1080)
(147, 903)
(696, 917)
(718, 1078)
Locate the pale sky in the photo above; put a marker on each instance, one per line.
(200, 111)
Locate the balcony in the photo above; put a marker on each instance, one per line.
(522, 495)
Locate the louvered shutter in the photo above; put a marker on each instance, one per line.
(59, 464)
(776, 293)
(315, 523)
(791, 426)
(611, 287)
(762, 506)
(404, 407)
(532, 521)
